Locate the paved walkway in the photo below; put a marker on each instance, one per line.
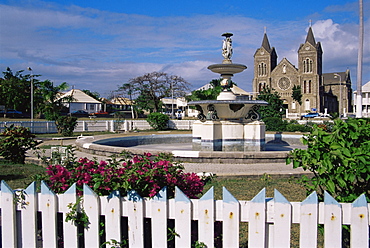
(257, 169)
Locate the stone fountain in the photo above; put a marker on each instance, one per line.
(230, 123)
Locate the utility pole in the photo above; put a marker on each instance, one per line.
(359, 62)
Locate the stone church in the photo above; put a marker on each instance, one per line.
(321, 92)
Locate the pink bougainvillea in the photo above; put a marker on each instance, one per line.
(145, 174)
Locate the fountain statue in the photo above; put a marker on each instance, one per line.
(230, 123)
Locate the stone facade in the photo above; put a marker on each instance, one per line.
(320, 92)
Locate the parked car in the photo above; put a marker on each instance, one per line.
(100, 113)
(11, 113)
(80, 113)
(310, 115)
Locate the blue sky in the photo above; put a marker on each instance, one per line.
(99, 45)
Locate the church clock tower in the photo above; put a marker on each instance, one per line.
(265, 60)
(310, 73)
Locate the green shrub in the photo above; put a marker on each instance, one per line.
(16, 142)
(275, 124)
(66, 125)
(339, 160)
(158, 121)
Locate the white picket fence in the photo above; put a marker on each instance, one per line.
(269, 220)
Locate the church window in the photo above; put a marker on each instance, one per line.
(307, 87)
(307, 65)
(261, 86)
(293, 105)
(307, 105)
(262, 69)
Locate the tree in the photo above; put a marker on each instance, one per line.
(297, 94)
(94, 94)
(275, 104)
(209, 94)
(15, 90)
(154, 86)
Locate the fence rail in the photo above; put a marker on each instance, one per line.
(96, 125)
(269, 219)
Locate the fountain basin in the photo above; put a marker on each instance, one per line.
(228, 109)
(227, 69)
(277, 148)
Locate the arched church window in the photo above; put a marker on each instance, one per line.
(262, 69)
(307, 65)
(307, 105)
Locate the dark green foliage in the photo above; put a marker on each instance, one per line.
(297, 94)
(66, 125)
(158, 121)
(340, 160)
(208, 94)
(275, 124)
(15, 143)
(275, 104)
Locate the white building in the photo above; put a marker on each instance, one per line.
(365, 100)
(82, 101)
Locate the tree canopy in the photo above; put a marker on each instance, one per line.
(152, 87)
(209, 94)
(275, 106)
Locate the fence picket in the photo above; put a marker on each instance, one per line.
(112, 214)
(48, 205)
(66, 201)
(8, 217)
(182, 219)
(135, 210)
(282, 221)
(206, 213)
(91, 205)
(308, 221)
(159, 219)
(332, 222)
(257, 220)
(28, 208)
(231, 219)
(360, 223)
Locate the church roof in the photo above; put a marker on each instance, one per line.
(332, 78)
(310, 38)
(266, 43)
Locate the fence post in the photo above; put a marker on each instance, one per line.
(159, 219)
(8, 218)
(206, 212)
(91, 204)
(183, 219)
(332, 222)
(360, 223)
(112, 212)
(257, 220)
(282, 220)
(308, 221)
(231, 219)
(70, 231)
(48, 207)
(28, 217)
(135, 211)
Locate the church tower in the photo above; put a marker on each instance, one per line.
(310, 73)
(265, 60)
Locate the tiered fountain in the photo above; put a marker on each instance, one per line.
(230, 123)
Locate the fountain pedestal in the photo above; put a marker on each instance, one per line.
(228, 136)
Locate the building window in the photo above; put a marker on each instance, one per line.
(307, 87)
(293, 105)
(307, 65)
(307, 105)
(261, 86)
(262, 69)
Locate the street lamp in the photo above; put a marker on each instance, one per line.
(29, 68)
(340, 91)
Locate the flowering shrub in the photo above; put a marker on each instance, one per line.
(144, 174)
